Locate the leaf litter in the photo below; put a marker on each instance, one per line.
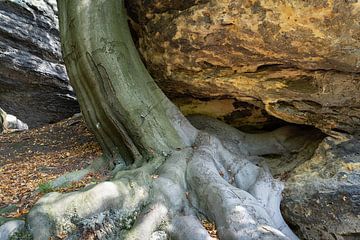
(37, 156)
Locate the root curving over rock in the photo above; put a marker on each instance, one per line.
(171, 173)
(169, 196)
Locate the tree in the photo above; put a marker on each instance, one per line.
(169, 173)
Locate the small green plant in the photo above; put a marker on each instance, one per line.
(46, 187)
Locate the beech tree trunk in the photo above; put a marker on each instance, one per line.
(125, 108)
(170, 175)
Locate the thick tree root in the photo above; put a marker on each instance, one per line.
(176, 173)
(240, 213)
(216, 177)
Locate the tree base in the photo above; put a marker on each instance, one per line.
(221, 177)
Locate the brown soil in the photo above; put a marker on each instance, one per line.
(31, 158)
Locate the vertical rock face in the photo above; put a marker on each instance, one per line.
(33, 80)
(299, 59)
(322, 195)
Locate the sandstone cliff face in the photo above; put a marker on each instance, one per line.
(298, 60)
(33, 80)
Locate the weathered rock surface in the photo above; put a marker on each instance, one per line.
(322, 196)
(298, 60)
(33, 80)
(243, 115)
(10, 123)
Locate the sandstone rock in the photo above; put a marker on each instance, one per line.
(33, 80)
(322, 196)
(11, 123)
(246, 116)
(299, 59)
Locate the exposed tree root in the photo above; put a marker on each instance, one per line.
(176, 174)
(214, 178)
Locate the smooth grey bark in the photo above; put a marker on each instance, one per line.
(175, 173)
(125, 108)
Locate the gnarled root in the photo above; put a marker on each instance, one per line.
(242, 209)
(215, 178)
(56, 213)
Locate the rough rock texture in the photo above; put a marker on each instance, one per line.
(10, 123)
(322, 195)
(299, 60)
(246, 116)
(33, 80)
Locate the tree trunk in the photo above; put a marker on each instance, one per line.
(123, 105)
(172, 174)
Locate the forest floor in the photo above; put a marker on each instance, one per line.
(30, 160)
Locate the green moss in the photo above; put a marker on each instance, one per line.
(22, 235)
(46, 187)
